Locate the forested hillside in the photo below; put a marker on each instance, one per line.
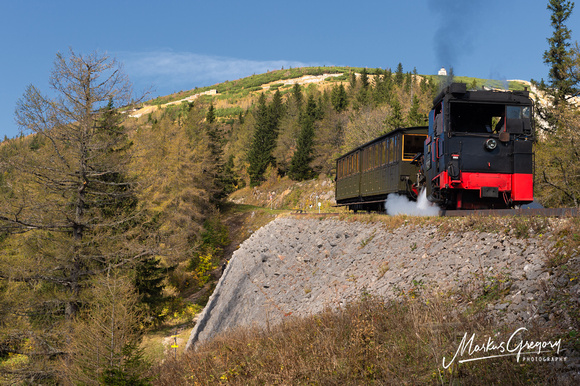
(114, 213)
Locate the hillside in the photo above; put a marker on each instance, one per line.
(187, 179)
(322, 77)
(498, 271)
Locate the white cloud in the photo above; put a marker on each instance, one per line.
(186, 70)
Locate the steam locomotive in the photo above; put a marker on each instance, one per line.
(476, 153)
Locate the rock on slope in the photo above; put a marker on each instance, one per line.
(296, 266)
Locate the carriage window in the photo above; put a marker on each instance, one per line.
(366, 159)
(412, 144)
(383, 152)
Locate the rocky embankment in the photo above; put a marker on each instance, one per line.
(297, 266)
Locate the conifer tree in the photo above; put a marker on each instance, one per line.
(297, 94)
(415, 118)
(383, 87)
(352, 80)
(339, 98)
(395, 119)
(260, 154)
(215, 144)
(210, 116)
(229, 176)
(276, 112)
(408, 81)
(364, 78)
(364, 93)
(149, 284)
(558, 55)
(399, 75)
(300, 168)
(557, 154)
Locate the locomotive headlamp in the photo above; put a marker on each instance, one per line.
(490, 144)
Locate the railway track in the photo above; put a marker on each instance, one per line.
(541, 212)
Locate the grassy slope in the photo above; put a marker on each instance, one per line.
(233, 94)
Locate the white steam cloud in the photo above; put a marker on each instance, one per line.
(397, 204)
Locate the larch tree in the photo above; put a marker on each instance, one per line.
(104, 344)
(71, 204)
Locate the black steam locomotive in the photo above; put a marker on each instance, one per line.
(475, 153)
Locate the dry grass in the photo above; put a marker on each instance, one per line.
(368, 342)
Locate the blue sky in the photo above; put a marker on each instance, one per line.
(175, 45)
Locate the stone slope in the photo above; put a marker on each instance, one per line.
(296, 266)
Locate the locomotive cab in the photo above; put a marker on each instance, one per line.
(478, 153)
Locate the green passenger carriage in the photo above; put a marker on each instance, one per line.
(367, 174)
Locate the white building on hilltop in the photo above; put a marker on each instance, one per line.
(442, 71)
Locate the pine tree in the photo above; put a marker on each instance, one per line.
(276, 113)
(339, 98)
(149, 284)
(415, 118)
(229, 176)
(557, 154)
(352, 80)
(558, 55)
(383, 87)
(364, 78)
(408, 81)
(300, 168)
(364, 93)
(399, 75)
(395, 119)
(215, 144)
(210, 116)
(257, 155)
(260, 154)
(297, 94)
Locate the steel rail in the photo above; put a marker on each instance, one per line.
(528, 212)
